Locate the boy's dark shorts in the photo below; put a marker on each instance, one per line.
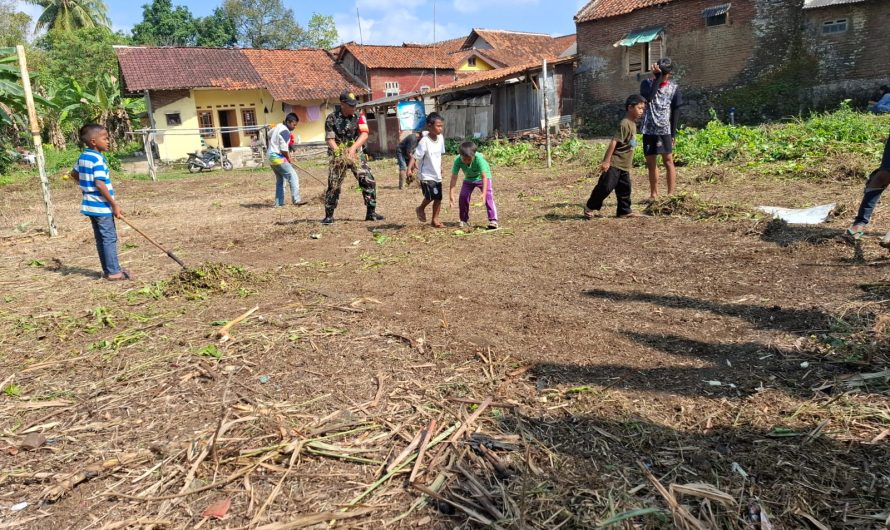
(885, 162)
(657, 144)
(432, 191)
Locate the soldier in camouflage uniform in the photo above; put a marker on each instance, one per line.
(347, 129)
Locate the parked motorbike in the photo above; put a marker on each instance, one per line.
(208, 160)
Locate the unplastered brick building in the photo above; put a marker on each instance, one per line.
(764, 59)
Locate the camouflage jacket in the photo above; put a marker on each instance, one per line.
(345, 130)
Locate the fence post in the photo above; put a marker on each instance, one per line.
(150, 156)
(38, 142)
(546, 114)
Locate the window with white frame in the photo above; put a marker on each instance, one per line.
(832, 27)
(391, 88)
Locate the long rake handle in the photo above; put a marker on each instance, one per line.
(304, 170)
(155, 243)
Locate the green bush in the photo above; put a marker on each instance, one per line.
(844, 132)
(498, 151)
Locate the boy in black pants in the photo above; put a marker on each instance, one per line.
(659, 128)
(618, 162)
(874, 187)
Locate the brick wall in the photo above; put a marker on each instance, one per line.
(409, 80)
(735, 65)
(852, 64)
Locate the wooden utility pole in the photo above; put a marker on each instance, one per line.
(38, 142)
(150, 155)
(546, 114)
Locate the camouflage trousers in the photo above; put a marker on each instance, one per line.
(362, 173)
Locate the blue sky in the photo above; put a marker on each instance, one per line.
(397, 21)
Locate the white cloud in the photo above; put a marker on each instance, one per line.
(394, 26)
(472, 6)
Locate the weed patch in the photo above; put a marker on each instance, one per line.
(840, 145)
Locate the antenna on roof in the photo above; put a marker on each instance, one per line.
(361, 42)
(436, 49)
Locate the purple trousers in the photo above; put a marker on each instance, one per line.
(464, 201)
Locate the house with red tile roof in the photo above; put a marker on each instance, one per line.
(490, 49)
(223, 97)
(761, 59)
(393, 70)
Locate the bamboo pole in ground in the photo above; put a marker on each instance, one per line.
(546, 113)
(38, 142)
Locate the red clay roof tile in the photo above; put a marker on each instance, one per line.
(288, 74)
(407, 56)
(597, 9)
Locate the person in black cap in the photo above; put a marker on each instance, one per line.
(660, 120)
(346, 132)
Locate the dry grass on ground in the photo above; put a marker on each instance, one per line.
(557, 373)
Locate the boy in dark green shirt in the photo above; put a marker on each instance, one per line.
(618, 162)
(477, 174)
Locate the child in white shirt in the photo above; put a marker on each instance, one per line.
(428, 156)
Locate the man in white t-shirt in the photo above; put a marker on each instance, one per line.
(428, 156)
(279, 159)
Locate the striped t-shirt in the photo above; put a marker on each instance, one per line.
(90, 167)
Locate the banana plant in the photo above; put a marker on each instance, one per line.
(102, 101)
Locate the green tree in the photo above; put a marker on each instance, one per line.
(165, 25)
(321, 32)
(217, 30)
(79, 54)
(67, 15)
(14, 25)
(265, 24)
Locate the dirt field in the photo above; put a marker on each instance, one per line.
(611, 358)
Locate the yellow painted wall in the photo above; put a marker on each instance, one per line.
(481, 66)
(177, 146)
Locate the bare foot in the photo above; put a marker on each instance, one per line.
(421, 214)
(437, 224)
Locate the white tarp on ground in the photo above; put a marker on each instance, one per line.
(800, 216)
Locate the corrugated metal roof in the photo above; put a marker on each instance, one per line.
(716, 11)
(813, 4)
(640, 36)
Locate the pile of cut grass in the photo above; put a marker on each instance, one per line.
(208, 278)
(685, 204)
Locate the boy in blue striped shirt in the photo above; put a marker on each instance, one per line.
(91, 172)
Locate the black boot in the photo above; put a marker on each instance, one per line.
(328, 217)
(373, 216)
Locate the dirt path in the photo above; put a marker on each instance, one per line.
(691, 347)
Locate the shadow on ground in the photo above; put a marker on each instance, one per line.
(786, 472)
(790, 320)
(711, 370)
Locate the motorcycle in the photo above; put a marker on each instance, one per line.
(208, 160)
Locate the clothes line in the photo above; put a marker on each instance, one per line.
(190, 132)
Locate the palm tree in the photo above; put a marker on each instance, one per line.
(67, 15)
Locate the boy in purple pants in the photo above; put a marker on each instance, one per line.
(477, 174)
